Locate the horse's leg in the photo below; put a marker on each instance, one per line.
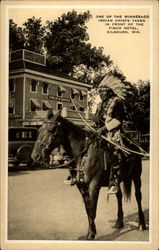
(119, 222)
(137, 183)
(94, 189)
(90, 196)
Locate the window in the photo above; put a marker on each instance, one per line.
(11, 85)
(46, 105)
(34, 85)
(82, 94)
(18, 134)
(81, 109)
(59, 93)
(59, 106)
(35, 105)
(45, 88)
(81, 97)
(29, 134)
(24, 134)
(11, 110)
(11, 106)
(73, 96)
(73, 108)
(74, 92)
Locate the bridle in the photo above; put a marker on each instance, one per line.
(47, 145)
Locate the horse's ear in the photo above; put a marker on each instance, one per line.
(50, 114)
(58, 114)
(64, 112)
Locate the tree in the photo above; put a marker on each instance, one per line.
(67, 48)
(64, 40)
(34, 35)
(16, 36)
(95, 75)
(142, 107)
(138, 108)
(66, 43)
(30, 36)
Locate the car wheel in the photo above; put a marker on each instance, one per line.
(24, 154)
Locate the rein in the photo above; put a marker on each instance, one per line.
(131, 141)
(47, 146)
(94, 131)
(126, 150)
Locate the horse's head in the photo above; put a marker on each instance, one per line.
(50, 137)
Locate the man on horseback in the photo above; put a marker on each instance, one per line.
(110, 114)
(109, 121)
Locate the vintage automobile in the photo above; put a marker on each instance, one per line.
(21, 143)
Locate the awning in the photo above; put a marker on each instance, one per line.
(35, 102)
(62, 89)
(75, 91)
(47, 104)
(83, 92)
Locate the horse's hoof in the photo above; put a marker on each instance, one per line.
(91, 236)
(118, 225)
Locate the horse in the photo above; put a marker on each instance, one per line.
(87, 158)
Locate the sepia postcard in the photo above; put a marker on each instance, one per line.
(62, 143)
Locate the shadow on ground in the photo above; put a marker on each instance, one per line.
(130, 225)
(17, 173)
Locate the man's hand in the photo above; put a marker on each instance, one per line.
(101, 130)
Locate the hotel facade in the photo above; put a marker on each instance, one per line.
(34, 88)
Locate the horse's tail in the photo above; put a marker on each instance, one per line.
(134, 169)
(127, 188)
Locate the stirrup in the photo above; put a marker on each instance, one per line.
(113, 190)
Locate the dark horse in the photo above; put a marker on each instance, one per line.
(88, 160)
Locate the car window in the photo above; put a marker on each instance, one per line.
(22, 135)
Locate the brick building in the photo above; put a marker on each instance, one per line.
(34, 88)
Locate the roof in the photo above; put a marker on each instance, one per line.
(22, 128)
(21, 64)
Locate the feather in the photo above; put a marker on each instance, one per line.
(109, 80)
(114, 83)
(105, 79)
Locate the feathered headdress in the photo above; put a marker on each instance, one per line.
(116, 85)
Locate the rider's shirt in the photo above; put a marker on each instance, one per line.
(110, 112)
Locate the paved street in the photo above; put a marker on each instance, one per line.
(42, 207)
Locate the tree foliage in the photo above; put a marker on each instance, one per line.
(141, 115)
(64, 40)
(34, 35)
(66, 43)
(95, 76)
(16, 36)
(67, 47)
(30, 36)
(138, 108)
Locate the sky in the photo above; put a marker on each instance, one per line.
(130, 52)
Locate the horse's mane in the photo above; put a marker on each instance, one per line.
(81, 132)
